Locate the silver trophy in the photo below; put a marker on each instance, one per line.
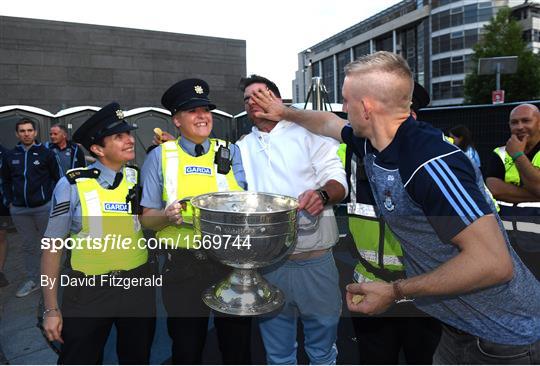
(246, 231)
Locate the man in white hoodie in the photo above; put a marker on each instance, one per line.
(284, 158)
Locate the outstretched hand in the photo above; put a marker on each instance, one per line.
(274, 109)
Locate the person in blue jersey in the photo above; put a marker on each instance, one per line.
(460, 266)
(29, 174)
(68, 154)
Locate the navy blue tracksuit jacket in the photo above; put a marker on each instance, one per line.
(29, 177)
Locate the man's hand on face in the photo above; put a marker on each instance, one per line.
(274, 109)
(375, 297)
(515, 145)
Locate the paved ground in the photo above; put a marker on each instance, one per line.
(21, 341)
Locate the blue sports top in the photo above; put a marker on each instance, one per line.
(428, 191)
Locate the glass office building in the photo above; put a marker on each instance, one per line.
(434, 36)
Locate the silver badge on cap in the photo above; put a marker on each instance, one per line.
(198, 89)
(120, 114)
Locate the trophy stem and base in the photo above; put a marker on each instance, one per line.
(244, 292)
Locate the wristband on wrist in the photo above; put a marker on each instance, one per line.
(324, 196)
(517, 155)
(398, 294)
(47, 311)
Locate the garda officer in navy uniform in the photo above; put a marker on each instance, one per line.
(174, 171)
(93, 203)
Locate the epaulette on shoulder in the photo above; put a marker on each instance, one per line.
(132, 174)
(73, 174)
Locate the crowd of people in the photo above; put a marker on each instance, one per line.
(438, 277)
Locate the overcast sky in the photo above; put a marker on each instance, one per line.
(275, 31)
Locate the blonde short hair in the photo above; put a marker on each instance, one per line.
(386, 76)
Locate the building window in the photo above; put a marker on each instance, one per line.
(435, 22)
(385, 44)
(444, 19)
(457, 88)
(457, 41)
(448, 89)
(328, 76)
(470, 14)
(456, 17)
(438, 3)
(445, 68)
(469, 64)
(343, 58)
(527, 35)
(458, 65)
(536, 35)
(471, 38)
(448, 66)
(444, 43)
(485, 12)
(361, 50)
(442, 90)
(435, 65)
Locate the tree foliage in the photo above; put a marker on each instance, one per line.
(503, 37)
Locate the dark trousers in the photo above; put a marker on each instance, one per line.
(89, 312)
(184, 280)
(380, 339)
(85, 338)
(457, 347)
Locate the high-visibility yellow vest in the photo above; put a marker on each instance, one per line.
(186, 176)
(512, 174)
(381, 253)
(110, 235)
(521, 220)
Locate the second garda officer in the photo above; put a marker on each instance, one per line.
(109, 280)
(172, 173)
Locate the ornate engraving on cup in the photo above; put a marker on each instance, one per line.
(267, 224)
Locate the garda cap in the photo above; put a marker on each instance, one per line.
(108, 121)
(187, 94)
